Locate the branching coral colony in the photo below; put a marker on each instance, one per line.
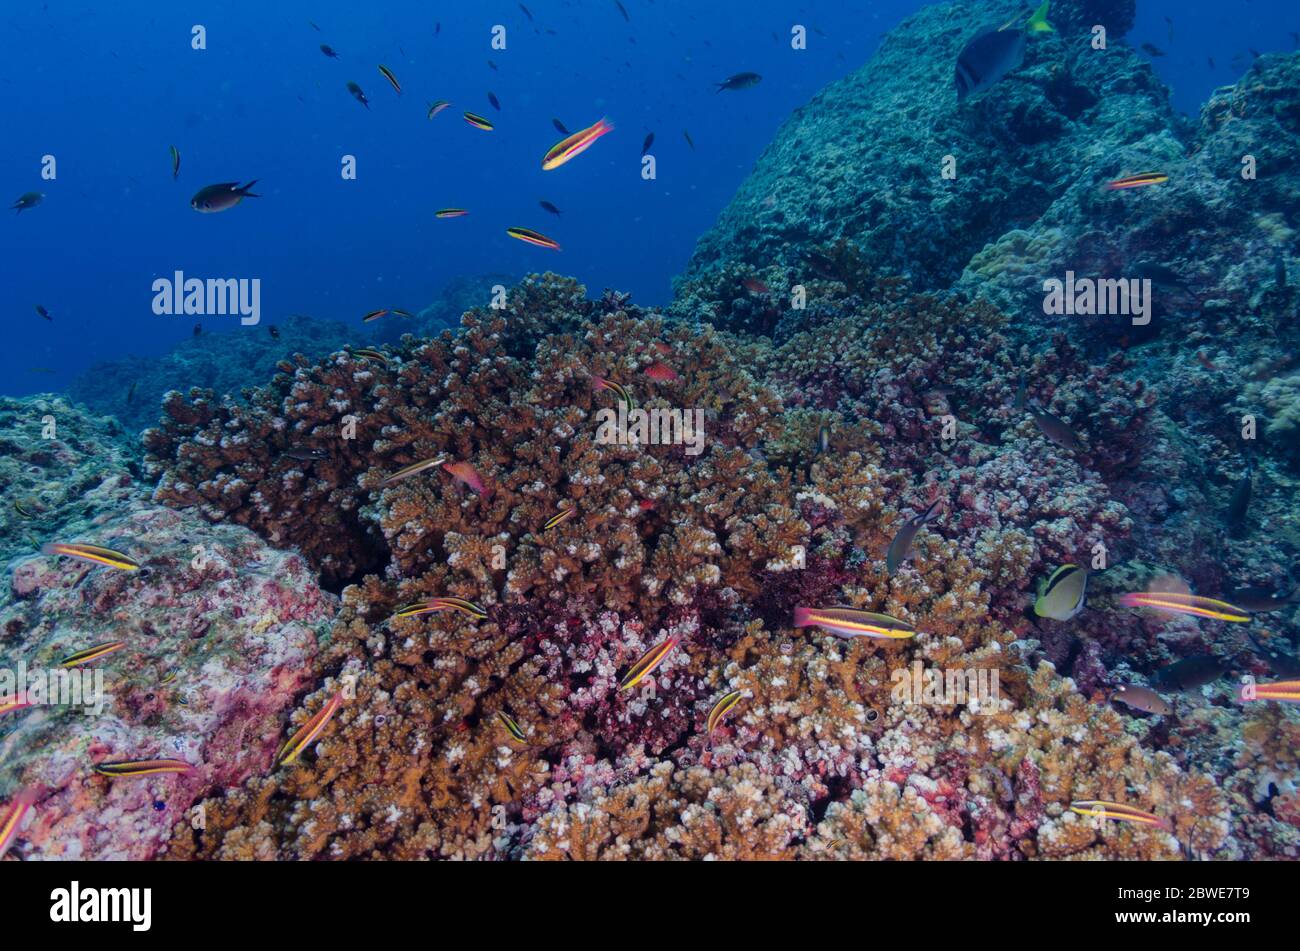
(526, 686)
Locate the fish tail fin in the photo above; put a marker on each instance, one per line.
(247, 192)
(801, 617)
(1038, 20)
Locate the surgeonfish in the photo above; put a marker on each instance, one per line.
(901, 546)
(1063, 594)
(851, 622)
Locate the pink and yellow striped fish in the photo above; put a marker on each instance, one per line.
(851, 622)
(11, 818)
(1173, 602)
(648, 662)
(1287, 691)
(143, 767)
(529, 236)
(574, 145)
(721, 709)
(1104, 809)
(93, 554)
(92, 653)
(307, 733)
(13, 706)
(434, 605)
(1137, 181)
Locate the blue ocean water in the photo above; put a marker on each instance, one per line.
(107, 89)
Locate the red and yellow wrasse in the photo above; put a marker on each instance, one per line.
(374, 315)
(401, 313)
(478, 122)
(1287, 691)
(464, 472)
(648, 662)
(437, 107)
(92, 653)
(308, 732)
(528, 236)
(1104, 809)
(661, 372)
(564, 514)
(143, 767)
(92, 553)
(450, 213)
(11, 818)
(511, 727)
(13, 706)
(414, 468)
(624, 395)
(1137, 181)
(850, 622)
(574, 145)
(721, 709)
(434, 605)
(374, 356)
(1173, 602)
(388, 74)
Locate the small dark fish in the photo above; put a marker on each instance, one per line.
(1261, 600)
(1190, 673)
(559, 127)
(493, 99)
(221, 197)
(739, 81)
(313, 26)
(1159, 274)
(304, 454)
(198, 330)
(901, 546)
(1279, 273)
(437, 28)
(176, 162)
(986, 59)
(358, 95)
(392, 80)
(526, 12)
(274, 332)
(493, 66)
(1055, 429)
(130, 393)
(649, 141)
(43, 312)
(687, 135)
(1254, 53)
(1239, 503)
(549, 207)
(622, 11)
(1020, 401)
(1152, 50)
(329, 51)
(27, 200)
(1210, 60)
(1282, 663)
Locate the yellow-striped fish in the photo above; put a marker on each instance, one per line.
(478, 122)
(11, 818)
(176, 162)
(618, 389)
(1287, 691)
(450, 213)
(13, 706)
(92, 653)
(414, 468)
(307, 733)
(529, 236)
(23, 511)
(92, 553)
(143, 767)
(1104, 809)
(1173, 602)
(851, 622)
(648, 662)
(401, 313)
(437, 107)
(388, 74)
(366, 353)
(574, 145)
(434, 605)
(564, 515)
(512, 727)
(1137, 181)
(721, 709)
(374, 315)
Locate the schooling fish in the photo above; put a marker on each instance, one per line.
(92, 553)
(901, 546)
(1173, 602)
(450, 213)
(437, 107)
(739, 81)
(43, 312)
(511, 727)
(1063, 594)
(1144, 699)
(176, 161)
(851, 622)
(27, 200)
(478, 122)
(546, 205)
(649, 141)
(495, 103)
(1137, 181)
(720, 709)
(559, 127)
(12, 816)
(528, 236)
(328, 51)
(464, 472)
(221, 197)
(307, 733)
(648, 662)
(143, 767)
(374, 315)
(92, 653)
(1055, 429)
(1104, 809)
(1190, 673)
(358, 95)
(574, 145)
(392, 80)
(413, 469)
(687, 136)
